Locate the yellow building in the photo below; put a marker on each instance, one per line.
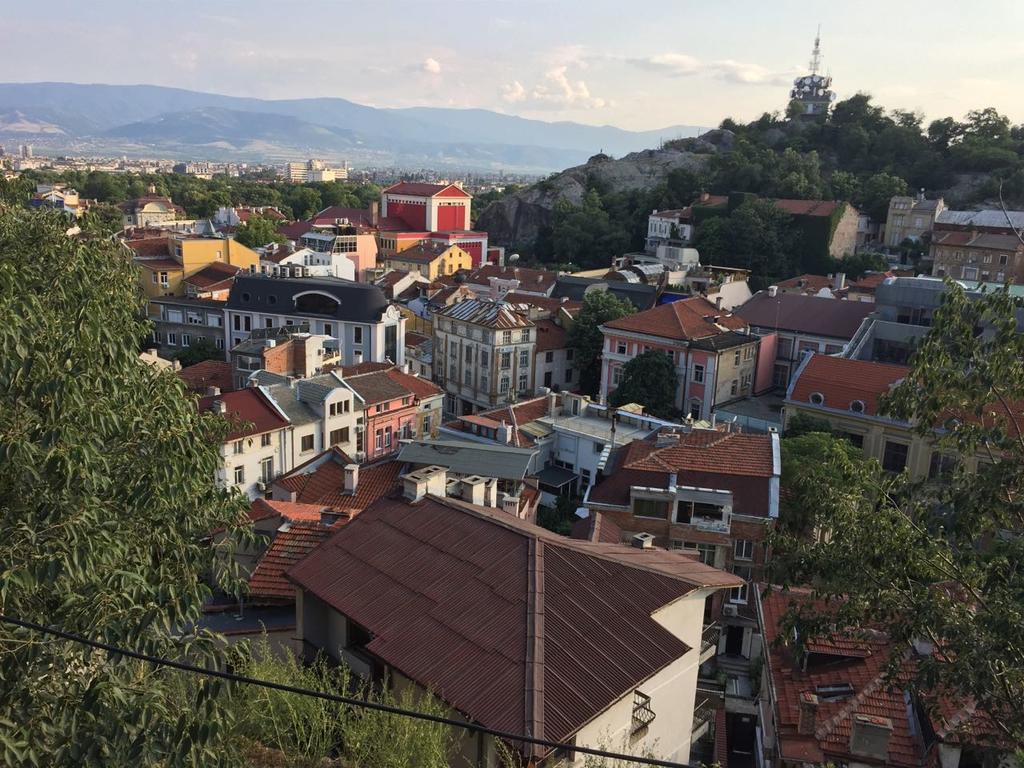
(846, 394)
(167, 261)
(430, 260)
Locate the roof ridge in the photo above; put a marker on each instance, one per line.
(533, 660)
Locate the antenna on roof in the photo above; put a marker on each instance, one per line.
(816, 54)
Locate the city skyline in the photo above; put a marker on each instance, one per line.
(680, 63)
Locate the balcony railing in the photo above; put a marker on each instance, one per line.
(709, 639)
(702, 714)
(718, 525)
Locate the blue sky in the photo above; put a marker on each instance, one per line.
(639, 65)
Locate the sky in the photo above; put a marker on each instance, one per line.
(641, 65)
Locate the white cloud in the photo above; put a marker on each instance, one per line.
(513, 92)
(683, 65)
(431, 66)
(557, 90)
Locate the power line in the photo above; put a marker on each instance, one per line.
(348, 700)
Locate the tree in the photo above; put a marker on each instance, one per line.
(649, 379)
(855, 265)
(844, 186)
(876, 191)
(585, 338)
(201, 349)
(940, 562)
(107, 499)
(304, 201)
(258, 231)
(103, 219)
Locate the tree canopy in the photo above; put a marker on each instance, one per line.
(938, 562)
(649, 379)
(258, 231)
(585, 338)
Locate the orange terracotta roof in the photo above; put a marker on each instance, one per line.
(417, 385)
(248, 410)
(208, 373)
(262, 509)
(681, 320)
(326, 484)
(550, 336)
(841, 382)
(288, 548)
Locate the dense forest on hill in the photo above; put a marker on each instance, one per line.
(861, 154)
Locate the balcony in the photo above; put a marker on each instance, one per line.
(709, 642)
(703, 717)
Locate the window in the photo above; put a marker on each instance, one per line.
(698, 374)
(406, 400)
(484, 358)
(1003, 259)
(469, 355)
(569, 354)
(695, 408)
(506, 359)
(817, 398)
(426, 426)
(378, 439)
(307, 443)
(568, 375)
(854, 438)
(378, 408)
(506, 337)
(549, 357)
(267, 470)
(617, 375)
(328, 329)
(651, 508)
(387, 437)
(239, 475)
(265, 440)
(736, 358)
(942, 465)
(706, 553)
(525, 335)
(172, 339)
(504, 385)
(339, 436)
(219, 343)
(268, 322)
(894, 457)
(740, 594)
(524, 358)
(620, 348)
(857, 406)
(238, 447)
(743, 550)
(598, 447)
(357, 335)
(734, 387)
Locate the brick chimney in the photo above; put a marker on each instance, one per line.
(808, 721)
(374, 213)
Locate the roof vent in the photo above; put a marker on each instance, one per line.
(816, 398)
(643, 540)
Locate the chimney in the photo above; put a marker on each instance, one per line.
(351, 478)
(510, 505)
(718, 301)
(870, 736)
(773, 291)
(219, 406)
(839, 282)
(642, 541)
(357, 356)
(553, 409)
(374, 213)
(504, 433)
(271, 343)
(213, 391)
(808, 722)
(153, 351)
(474, 490)
(420, 482)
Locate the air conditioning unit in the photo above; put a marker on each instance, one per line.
(261, 486)
(730, 610)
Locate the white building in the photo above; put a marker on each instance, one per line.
(307, 262)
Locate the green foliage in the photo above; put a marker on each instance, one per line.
(560, 518)
(650, 380)
(802, 424)
(941, 561)
(303, 201)
(259, 231)
(877, 190)
(201, 349)
(757, 236)
(586, 340)
(107, 499)
(102, 220)
(585, 234)
(855, 265)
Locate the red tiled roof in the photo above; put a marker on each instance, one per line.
(421, 388)
(596, 527)
(548, 303)
(368, 367)
(445, 590)
(356, 216)
(519, 414)
(288, 548)
(295, 230)
(704, 458)
(160, 264)
(325, 484)
(213, 274)
(293, 511)
(550, 336)
(132, 206)
(248, 410)
(807, 207)
(150, 246)
(864, 672)
(869, 282)
(426, 190)
(424, 253)
(535, 280)
(681, 320)
(812, 283)
(843, 381)
(413, 339)
(208, 373)
(814, 315)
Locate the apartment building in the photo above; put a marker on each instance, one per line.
(483, 355)
(181, 321)
(167, 262)
(978, 256)
(910, 218)
(288, 352)
(430, 260)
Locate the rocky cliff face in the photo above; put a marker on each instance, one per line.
(515, 221)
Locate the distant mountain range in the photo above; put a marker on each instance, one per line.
(148, 120)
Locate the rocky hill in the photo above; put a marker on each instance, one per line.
(516, 220)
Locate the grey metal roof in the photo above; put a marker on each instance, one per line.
(490, 314)
(357, 302)
(297, 412)
(639, 295)
(316, 389)
(465, 458)
(267, 379)
(989, 218)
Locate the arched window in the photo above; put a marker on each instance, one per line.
(316, 303)
(817, 398)
(857, 406)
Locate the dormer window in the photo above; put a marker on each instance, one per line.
(857, 406)
(817, 398)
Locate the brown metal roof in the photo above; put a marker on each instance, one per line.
(518, 628)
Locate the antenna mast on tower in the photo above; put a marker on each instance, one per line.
(816, 55)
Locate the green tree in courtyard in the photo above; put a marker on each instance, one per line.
(650, 380)
(258, 231)
(201, 349)
(939, 562)
(585, 337)
(107, 501)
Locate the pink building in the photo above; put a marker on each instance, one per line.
(714, 354)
